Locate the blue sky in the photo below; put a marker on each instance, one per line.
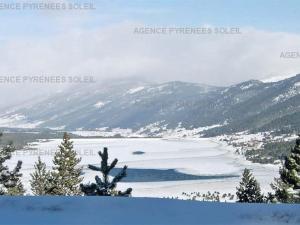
(274, 15)
(268, 15)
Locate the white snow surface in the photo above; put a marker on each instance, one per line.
(196, 156)
(135, 90)
(245, 87)
(58, 128)
(157, 129)
(17, 121)
(297, 84)
(293, 91)
(140, 211)
(106, 132)
(100, 104)
(276, 78)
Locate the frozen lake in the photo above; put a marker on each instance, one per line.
(160, 167)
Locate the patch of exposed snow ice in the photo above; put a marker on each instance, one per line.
(152, 128)
(158, 88)
(245, 87)
(159, 129)
(100, 104)
(277, 99)
(226, 90)
(102, 128)
(297, 84)
(12, 118)
(293, 91)
(161, 87)
(105, 132)
(57, 128)
(18, 121)
(292, 137)
(135, 90)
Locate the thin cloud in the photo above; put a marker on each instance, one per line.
(115, 51)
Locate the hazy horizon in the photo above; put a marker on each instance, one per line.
(209, 42)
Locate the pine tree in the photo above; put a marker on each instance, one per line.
(40, 179)
(283, 191)
(287, 186)
(289, 174)
(65, 177)
(10, 180)
(105, 186)
(249, 189)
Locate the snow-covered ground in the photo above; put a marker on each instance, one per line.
(145, 211)
(244, 141)
(157, 129)
(197, 156)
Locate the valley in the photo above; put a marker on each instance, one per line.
(167, 167)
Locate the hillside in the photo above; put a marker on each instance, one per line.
(150, 109)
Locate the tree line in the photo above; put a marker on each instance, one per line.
(64, 178)
(286, 188)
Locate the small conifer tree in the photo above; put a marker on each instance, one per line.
(65, 175)
(249, 189)
(40, 179)
(104, 186)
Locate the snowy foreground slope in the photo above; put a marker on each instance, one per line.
(141, 211)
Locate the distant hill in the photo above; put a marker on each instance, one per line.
(150, 108)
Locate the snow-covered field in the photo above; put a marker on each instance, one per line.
(198, 156)
(145, 211)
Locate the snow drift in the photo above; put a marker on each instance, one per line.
(140, 211)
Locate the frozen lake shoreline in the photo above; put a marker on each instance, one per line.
(194, 156)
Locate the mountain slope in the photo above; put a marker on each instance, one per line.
(251, 105)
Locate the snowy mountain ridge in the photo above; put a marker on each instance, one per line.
(151, 109)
